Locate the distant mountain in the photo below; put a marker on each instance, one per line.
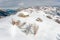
(3, 13)
(7, 12)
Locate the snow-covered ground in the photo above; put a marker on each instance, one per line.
(48, 29)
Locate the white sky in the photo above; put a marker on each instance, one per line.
(26, 3)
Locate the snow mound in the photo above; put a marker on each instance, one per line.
(33, 24)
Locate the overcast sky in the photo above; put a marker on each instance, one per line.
(27, 3)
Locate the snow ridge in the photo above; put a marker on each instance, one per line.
(42, 24)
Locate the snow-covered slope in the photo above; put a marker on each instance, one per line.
(30, 24)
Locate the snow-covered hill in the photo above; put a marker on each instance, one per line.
(31, 24)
